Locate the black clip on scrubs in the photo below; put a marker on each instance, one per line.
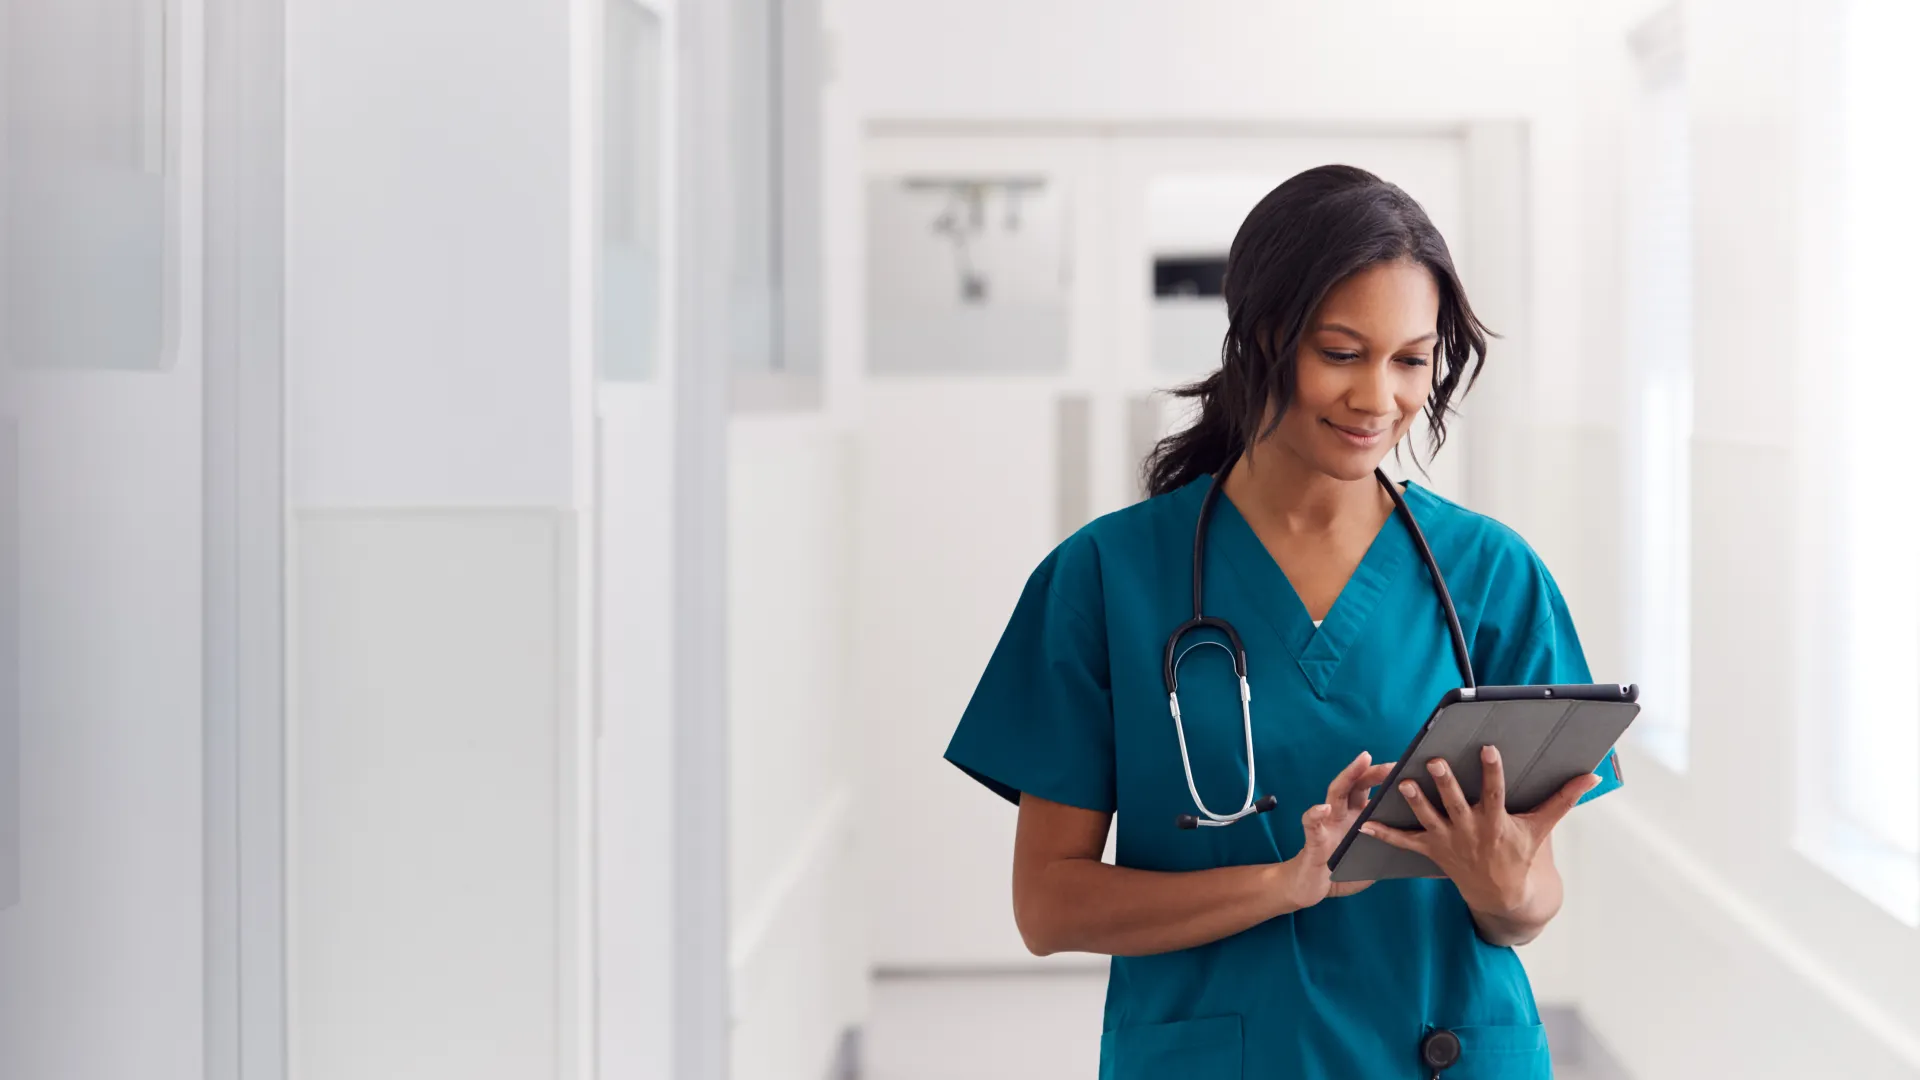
(1439, 1050)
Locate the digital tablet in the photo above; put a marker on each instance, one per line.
(1547, 735)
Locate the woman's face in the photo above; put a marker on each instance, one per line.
(1364, 369)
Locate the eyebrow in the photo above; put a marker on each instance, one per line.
(1358, 336)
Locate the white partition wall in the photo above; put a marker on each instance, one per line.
(439, 391)
(508, 383)
(103, 919)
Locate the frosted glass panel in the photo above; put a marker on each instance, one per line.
(630, 276)
(774, 127)
(85, 202)
(966, 275)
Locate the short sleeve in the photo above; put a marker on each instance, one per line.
(1041, 719)
(1551, 654)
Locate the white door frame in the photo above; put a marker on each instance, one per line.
(701, 360)
(244, 513)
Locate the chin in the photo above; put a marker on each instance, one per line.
(1349, 466)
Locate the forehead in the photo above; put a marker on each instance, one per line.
(1398, 300)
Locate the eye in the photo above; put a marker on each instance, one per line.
(1340, 357)
(1414, 361)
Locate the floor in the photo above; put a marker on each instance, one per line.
(1009, 1027)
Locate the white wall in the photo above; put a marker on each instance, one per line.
(107, 934)
(102, 942)
(441, 549)
(428, 243)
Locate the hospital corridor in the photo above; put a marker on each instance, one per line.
(717, 539)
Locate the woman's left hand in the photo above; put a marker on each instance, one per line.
(1487, 852)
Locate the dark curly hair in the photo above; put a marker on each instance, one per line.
(1305, 237)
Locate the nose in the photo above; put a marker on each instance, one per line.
(1372, 390)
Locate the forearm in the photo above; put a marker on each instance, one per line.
(1520, 921)
(1085, 905)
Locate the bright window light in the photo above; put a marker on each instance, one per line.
(1659, 341)
(1877, 754)
(1860, 818)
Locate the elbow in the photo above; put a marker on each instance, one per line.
(1037, 922)
(1036, 931)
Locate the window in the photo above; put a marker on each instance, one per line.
(1861, 812)
(776, 126)
(630, 251)
(1879, 756)
(1659, 345)
(88, 215)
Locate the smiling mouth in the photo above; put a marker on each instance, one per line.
(1356, 434)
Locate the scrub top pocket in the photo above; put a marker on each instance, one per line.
(1502, 1052)
(1206, 1049)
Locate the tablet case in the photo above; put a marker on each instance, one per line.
(1547, 735)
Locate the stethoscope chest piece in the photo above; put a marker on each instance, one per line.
(1439, 1050)
(1254, 803)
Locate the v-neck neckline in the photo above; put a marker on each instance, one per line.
(1317, 650)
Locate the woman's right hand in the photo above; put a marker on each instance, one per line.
(1308, 881)
(1065, 899)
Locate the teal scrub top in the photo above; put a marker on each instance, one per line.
(1072, 708)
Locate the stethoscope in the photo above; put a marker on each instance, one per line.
(1170, 664)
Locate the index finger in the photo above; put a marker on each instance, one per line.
(1342, 783)
(1372, 778)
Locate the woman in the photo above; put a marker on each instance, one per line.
(1234, 953)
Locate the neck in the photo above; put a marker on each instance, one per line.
(1272, 485)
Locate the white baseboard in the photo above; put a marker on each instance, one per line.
(809, 857)
(795, 956)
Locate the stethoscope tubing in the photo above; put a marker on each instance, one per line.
(1173, 654)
